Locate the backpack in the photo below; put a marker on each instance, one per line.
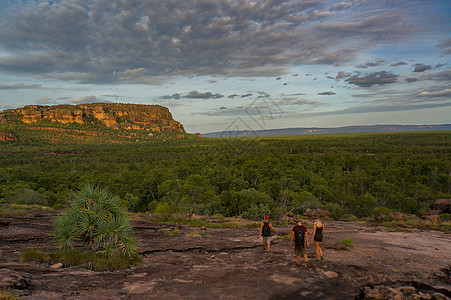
(266, 231)
(299, 237)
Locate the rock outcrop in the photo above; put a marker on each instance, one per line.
(442, 206)
(113, 115)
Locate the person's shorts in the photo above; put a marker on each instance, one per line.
(299, 250)
(266, 239)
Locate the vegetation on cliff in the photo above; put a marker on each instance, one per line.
(346, 174)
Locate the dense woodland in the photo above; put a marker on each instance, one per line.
(353, 174)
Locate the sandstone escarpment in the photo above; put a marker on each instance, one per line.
(117, 116)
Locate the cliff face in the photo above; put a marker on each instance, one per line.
(118, 116)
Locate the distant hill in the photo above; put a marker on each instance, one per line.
(97, 122)
(316, 130)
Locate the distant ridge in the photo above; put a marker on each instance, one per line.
(316, 130)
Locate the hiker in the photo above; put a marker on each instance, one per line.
(266, 230)
(299, 239)
(317, 237)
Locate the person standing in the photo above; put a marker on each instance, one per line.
(299, 239)
(317, 237)
(266, 231)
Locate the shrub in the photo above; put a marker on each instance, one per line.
(348, 246)
(31, 254)
(96, 219)
(336, 211)
(349, 217)
(381, 210)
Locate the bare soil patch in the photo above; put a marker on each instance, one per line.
(231, 264)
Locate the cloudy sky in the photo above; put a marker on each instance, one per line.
(234, 64)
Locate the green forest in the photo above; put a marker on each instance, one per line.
(346, 174)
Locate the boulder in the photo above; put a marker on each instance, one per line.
(382, 292)
(9, 279)
(317, 213)
(432, 219)
(5, 224)
(443, 205)
(397, 216)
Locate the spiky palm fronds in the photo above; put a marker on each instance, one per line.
(97, 219)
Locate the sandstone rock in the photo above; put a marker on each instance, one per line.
(319, 213)
(57, 266)
(439, 296)
(442, 205)
(433, 219)
(9, 279)
(397, 216)
(290, 214)
(113, 115)
(406, 290)
(424, 296)
(382, 292)
(330, 274)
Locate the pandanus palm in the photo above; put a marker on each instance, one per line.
(96, 219)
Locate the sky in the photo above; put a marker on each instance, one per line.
(223, 65)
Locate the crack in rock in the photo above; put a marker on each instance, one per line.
(201, 249)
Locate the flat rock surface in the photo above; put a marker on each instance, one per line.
(231, 264)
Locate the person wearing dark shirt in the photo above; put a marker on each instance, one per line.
(266, 231)
(317, 237)
(299, 239)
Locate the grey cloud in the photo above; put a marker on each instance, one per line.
(376, 78)
(192, 95)
(375, 108)
(411, 79)
(175, 96)
(371, 64)
(19, 86)
(444, 75)
(207, 95)
(341, 5)
(398, 64)
(246, 95)
(443, 93)
(46, 101)
(440, 65)
(342, 75)
(299, 102)
(86, 99)
(445, 46)
(99, 41)
(326, 93)
(421, 68)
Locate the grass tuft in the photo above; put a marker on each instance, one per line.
(32, 254)
(7, 294)
(169, 231)
(96, 262)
